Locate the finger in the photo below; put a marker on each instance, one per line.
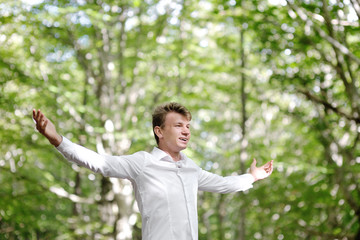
(41, 118)
(268, 164)
(42, 126)
(42, 121)
(271, 164)
(253, 164)
(38, 114)
(271, 167)
(34, 115)
(268, 167)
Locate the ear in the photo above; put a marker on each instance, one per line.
(158, 132)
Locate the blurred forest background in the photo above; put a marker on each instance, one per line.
(266, 79)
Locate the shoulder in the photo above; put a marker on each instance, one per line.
(136, 161)
(191, 163)
(140, 155)
(138, 158)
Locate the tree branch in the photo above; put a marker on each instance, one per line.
(328, 105)
(356, 8)
(336, 44)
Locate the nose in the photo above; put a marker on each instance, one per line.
(185, 131)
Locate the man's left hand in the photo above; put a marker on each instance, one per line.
(261, 172)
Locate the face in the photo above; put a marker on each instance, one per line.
(175, 134)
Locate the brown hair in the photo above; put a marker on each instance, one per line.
(159, 115)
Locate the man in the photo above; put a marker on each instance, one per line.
(165, 181)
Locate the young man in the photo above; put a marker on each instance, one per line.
(165, 181)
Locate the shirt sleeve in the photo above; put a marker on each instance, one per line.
(211, 182)
(127, 166)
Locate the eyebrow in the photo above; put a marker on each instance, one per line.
(182, 123)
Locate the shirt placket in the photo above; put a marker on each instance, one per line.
(179, 174)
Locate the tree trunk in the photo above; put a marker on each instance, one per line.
(243, 155)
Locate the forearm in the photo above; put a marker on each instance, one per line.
(82, 156)
(127, 166)
(214, 183)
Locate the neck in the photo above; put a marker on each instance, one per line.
(174, 155)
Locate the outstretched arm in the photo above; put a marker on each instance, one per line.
(127, 166)
(261, 172)
(46, 128)
(214, 183)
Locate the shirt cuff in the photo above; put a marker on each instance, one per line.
(65, 143)
(249, 177)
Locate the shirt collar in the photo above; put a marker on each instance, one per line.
(163, 156)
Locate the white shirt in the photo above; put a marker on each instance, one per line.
(165, 190)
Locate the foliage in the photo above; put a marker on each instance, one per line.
(263, 79)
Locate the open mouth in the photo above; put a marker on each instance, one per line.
(183, 139)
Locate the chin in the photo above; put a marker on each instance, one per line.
(183, 147)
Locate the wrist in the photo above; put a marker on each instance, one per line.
(255, 179)
(56, 141)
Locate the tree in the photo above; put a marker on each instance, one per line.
(98, 68)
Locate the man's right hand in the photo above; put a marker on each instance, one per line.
(46, 128)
